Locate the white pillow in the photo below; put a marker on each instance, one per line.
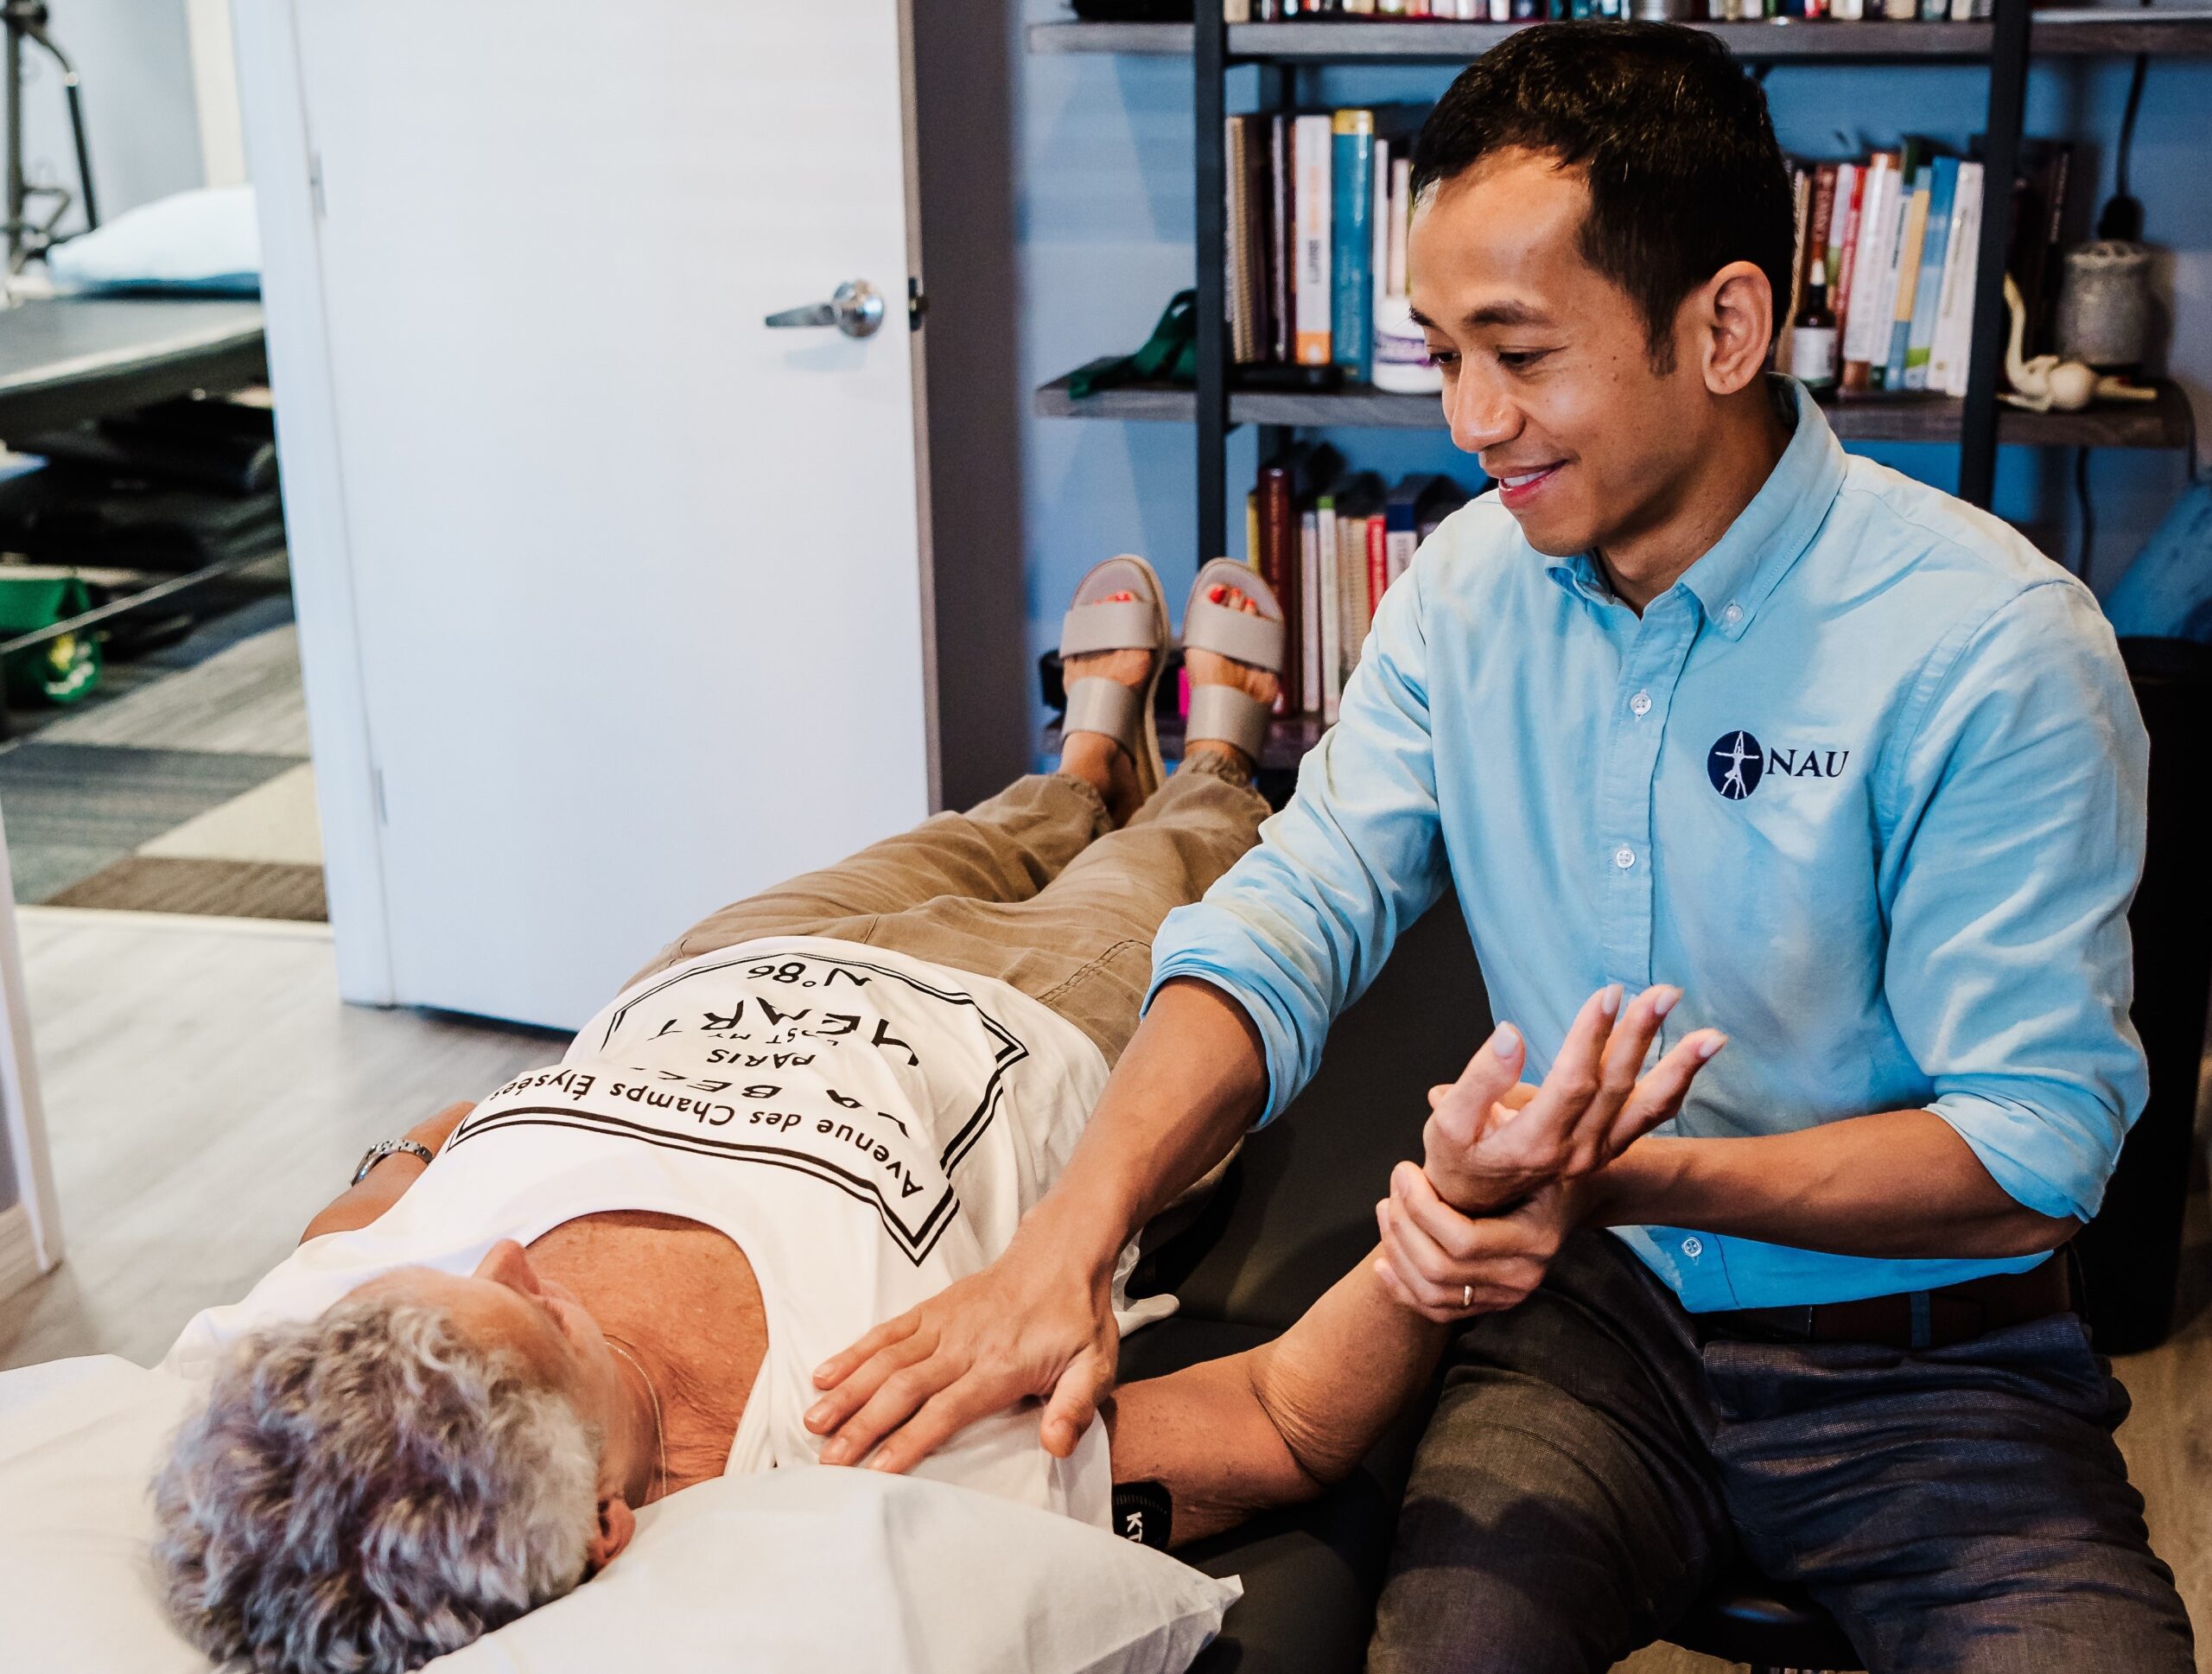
(824, 1571)
(79, 1443)
(815, 1571)
(206, 239)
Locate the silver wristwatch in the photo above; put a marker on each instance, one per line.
(384, 1148)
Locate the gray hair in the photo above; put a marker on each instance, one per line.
(366, 1490)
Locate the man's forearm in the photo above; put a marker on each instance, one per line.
(1901, 1185)
(1190, 1081)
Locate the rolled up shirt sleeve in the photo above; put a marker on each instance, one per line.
(1299, 927)
(2018, 805)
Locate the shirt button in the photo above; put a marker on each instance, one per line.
(1693, 1248)
(1640, 705)
(1624, 857)
(1732, 615)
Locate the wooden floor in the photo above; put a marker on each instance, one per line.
(205, 1092)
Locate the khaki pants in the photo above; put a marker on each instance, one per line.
(1031, 888)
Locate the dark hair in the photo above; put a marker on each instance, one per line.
(1684, 174)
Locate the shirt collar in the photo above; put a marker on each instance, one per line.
(1732, 580)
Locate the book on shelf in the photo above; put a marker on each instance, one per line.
(1903, 248)
(1843, 238)
(1904, 282)
(1332, 544)
(1314, 147)
(1282, 293)
(1317, 203)
(2035, 246)
(1952, 345)
(1278, 523)
(1351, 189)
(1244, 294)
(1911, 367)
(1287, 492)
(1867, 316)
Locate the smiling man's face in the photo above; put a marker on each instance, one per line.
(1548, 372)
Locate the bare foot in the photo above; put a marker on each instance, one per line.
(1211, 668)
(1093, 757)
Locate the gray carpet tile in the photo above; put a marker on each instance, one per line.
(245, 698)
(41, 870)
(110, 799)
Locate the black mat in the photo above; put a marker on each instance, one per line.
(1296, 1212)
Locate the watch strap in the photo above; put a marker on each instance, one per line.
(384, 1148)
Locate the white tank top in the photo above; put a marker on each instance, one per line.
(867, 1128)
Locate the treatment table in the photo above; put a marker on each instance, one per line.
(64, 360)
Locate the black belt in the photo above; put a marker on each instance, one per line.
(1911, 1318)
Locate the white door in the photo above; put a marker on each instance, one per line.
(612, 597)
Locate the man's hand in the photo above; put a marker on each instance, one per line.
(1490, 1139)
(1024, 1327)
(1493, 1144)
(1489, 1264)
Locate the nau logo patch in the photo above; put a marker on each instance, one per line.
(1737, 763)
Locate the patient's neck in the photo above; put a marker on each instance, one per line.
(683, 1299)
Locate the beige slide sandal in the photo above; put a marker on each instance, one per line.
(1095, 622)
(1223, 713)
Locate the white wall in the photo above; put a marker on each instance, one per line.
(134, 59)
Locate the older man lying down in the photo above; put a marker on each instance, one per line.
(614, 1278)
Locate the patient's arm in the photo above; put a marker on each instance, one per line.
(1275, 1425)
(386, 1183)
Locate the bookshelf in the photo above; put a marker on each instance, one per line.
(2162, 423)
(1977, 424)
(2077, 32)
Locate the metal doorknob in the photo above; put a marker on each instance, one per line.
(855, 308)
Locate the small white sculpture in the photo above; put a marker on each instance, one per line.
(2047, 381)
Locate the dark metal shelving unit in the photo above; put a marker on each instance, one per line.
(1978, 423)
(2086, 32)
(2161, 423)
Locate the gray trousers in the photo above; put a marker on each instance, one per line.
(1033, 887)
(1597, 1459)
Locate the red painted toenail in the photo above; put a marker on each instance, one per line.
(1217, 593)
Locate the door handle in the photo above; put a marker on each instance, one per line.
(855, 308)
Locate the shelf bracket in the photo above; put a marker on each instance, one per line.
(2008, 88)
(1209, 106)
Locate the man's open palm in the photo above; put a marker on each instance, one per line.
(1492, 1138)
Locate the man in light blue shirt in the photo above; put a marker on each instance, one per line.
(1893, 863)
(1695, 709)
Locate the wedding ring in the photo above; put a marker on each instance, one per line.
(1467, 1295)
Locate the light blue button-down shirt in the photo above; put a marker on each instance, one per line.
(1867, 783)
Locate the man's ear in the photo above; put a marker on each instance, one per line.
(1738, 326)
(617, 1523)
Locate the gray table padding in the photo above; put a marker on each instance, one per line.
(65, 359)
